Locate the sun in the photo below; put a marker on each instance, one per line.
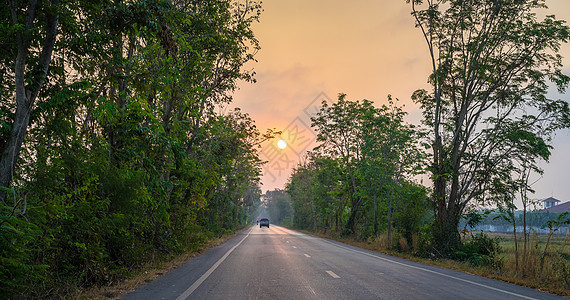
(282, 144)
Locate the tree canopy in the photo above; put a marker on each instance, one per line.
(492, 62)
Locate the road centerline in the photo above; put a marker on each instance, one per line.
(332, 274)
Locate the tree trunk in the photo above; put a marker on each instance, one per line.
(390, 201)
(525, 237)
(445, 233)
(349, 228)
(516, 244)
(25, 95)
(376, 214)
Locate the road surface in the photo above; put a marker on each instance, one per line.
(278, 263)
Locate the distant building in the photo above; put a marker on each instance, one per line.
(551, 206)
(549, 202)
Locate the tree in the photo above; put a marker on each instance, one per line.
(340, 129)
(390, 146)
(33, 33)
(114, 149)
(491, 62)
(299, 188)
(279, 207)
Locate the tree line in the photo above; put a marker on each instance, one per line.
(114, 149)
(488, 122)
(358, 180)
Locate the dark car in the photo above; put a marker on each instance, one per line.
(264, 222)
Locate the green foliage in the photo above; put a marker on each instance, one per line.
(480, 250)
(357, 179)
(561, 219)
(278, 205)
(126, 158)
(17, 249)
(411, 210)
(488, 114)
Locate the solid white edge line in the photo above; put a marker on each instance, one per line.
(332, 274)
(198, 282)
(434, 272)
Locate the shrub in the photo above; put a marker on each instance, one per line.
(480, 250)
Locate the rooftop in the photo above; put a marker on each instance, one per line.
(560, 208)
(550, 199)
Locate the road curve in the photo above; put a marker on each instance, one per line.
(278, 263)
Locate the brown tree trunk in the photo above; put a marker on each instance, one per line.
(445, 233)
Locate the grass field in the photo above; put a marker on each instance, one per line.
(539, 267)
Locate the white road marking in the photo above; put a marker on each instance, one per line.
(198, 282)
(310, 288)
(333, 275)
(307, 255)
(434, 272)
(287, 242)
(294, 247)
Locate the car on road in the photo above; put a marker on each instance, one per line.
(264, 222)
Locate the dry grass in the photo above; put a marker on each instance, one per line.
(146, 274)
(547, 270)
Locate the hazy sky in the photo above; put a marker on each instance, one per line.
(313, 50)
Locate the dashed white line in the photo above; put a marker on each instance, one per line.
(332, 274)
(307, 255)
(295, 247)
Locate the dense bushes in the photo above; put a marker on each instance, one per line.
(480, 250)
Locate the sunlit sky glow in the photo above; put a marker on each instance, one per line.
(367, 49)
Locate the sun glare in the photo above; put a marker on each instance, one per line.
(282, 144)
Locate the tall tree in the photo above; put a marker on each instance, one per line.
(340, 129)
(33, 30)
(390, 146)
(491, 63)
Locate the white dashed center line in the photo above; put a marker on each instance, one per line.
(294, 247)
(333, 275)
(307, 255)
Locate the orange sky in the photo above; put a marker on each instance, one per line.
(367, 49)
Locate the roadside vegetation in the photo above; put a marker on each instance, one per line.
(114, 150)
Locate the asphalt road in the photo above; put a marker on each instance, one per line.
(278, 263)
